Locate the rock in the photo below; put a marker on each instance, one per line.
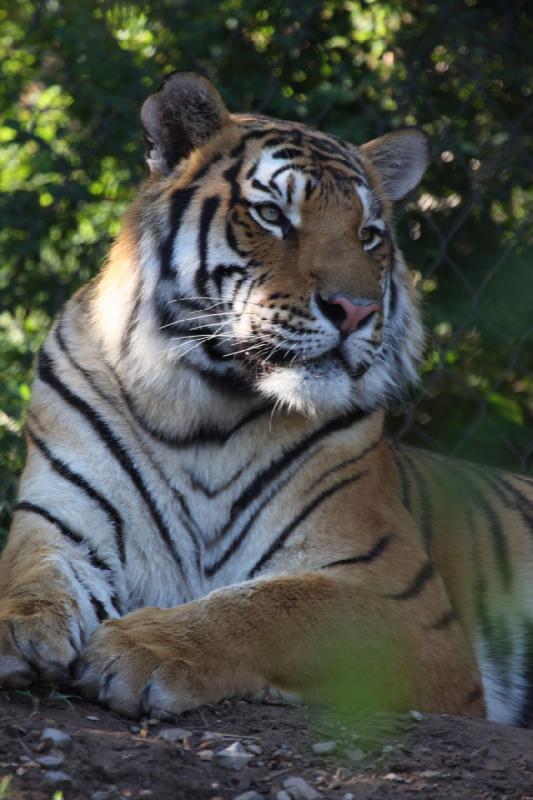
(430, 773)
(283, 795)
(135, 729)
(234, 757)
(355, 754)
(249, 796)
(58, 778)
(51, 761)
(416, 715)
(323, 748)
(174, 734)
(348, 796)
(102, 795)
(93, 718)
(206, 755)
(300, 789)
(56, 738)
(255, 749)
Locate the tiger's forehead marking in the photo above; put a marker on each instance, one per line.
(288, 170)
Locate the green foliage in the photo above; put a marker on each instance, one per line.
(75, 75)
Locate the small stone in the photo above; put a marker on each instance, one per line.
(342, 774)
(388, 748)
(249, 796)
(93, 718)
(58, 778)
(283, 795)
(348, 796)
(255, 749)
(430, 773)
(323, 748)
(416, 715)
(102, 795)
(355, 754)
(209, 736)
(152, 722)
(206, 755)
(174, 734)
(234, 757)
(135, 729)
(51, 761)
(300, 789)
(56, 737)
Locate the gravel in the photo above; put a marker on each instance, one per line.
(234, 757)
(299, 789)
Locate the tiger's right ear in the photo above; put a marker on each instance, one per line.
(183, 114)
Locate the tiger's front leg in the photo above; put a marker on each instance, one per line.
(319, 634)
(54, 592)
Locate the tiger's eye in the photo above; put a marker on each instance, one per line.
(366, 234)
(270, 213)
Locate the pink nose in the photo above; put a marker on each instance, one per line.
(355, 313)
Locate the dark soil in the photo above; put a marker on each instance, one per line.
(387, 756)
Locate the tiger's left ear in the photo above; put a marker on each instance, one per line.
(183, 115)
(401, 159)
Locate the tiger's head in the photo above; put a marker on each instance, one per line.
(268, 252)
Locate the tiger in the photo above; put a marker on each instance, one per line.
(210, 506)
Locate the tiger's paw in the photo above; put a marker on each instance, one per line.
(39, 641)
(136, 667)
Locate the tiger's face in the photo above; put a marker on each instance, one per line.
(276, 264)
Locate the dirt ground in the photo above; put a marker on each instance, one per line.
(106, 757)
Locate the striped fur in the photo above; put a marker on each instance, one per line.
(207, 473)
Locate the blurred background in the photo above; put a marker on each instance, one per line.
(71, 155)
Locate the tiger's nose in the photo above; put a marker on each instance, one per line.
(346, 314)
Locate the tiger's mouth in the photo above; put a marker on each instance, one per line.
(262, 365)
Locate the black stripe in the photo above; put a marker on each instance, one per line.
(347, 462)
(98, 606)
(473, 696)
(261, 187)
(209, 209)
(209, 570)
(179, 203)
(224, 271)
(231, 175)
(426, 509)
(73, 477)
(281, 538)
(47, 375)
(202, 437)
(424, 574)
(445, 620)
(132, 322)
(404, 480)
(288, 153)
(67, 532)
(265, 476)
(187, 521)
(501, 550)
(375, 551)
(526, 716)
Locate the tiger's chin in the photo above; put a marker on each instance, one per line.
(315, 391)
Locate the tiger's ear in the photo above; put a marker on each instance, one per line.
(183, 114)
(401, 159)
